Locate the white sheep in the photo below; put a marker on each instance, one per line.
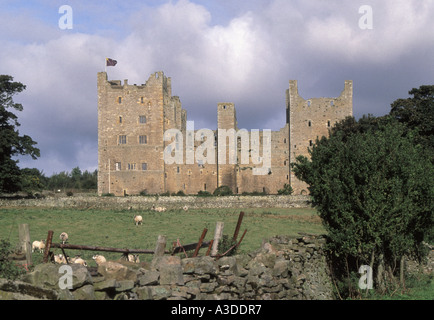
(160, 209)
(38, 245)
(63, 237)
(130, 258)
(185, 208)
(78, 260)
(99, 259)
(138, 220)
(59, 258)
(133, 258)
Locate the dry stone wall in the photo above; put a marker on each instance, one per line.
(174, 202)
(283, 268)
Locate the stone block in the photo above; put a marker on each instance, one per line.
(150, 278)
(115, 270)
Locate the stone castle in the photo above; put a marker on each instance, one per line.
(134, 147)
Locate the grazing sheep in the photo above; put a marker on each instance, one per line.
(59, 258)
(133, 258)
(138, 220)
(158, 209)
(63, 237)
(130, 258)
(78, 260)
(185, 208)
(99, 259)
(38, 245)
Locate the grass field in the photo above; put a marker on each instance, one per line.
(110, 228)
(115, 228)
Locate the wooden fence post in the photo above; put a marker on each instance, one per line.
(48, 245)
(161, 246)
(199, 244)
(24, 235)
(237, 228)
(218, 233)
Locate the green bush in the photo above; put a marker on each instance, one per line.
(287, 190)
(204, 194)
(225, 244)
(8, 269)
(373, 188)
(223, 191)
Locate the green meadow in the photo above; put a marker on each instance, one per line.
(116, 228)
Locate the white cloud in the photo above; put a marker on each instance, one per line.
(247, 60)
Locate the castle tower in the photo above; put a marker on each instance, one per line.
(131, 125)
(226, 121)
(310, 119)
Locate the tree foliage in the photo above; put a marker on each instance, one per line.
(373, 188)
(76, 179)
(11, 142)
(417, 113)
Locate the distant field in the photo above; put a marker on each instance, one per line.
(115, 228)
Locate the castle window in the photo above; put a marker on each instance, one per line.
(142, 119)
(142, 100)
(120, 119)
(144, 166)
(131, 166)
(177, 169)
(328, 123)
(310, 123)
(119, 100)
(123, 139)
(204, 186)
(284, 140)
(143, 139)
(310, 143)
(118, 166)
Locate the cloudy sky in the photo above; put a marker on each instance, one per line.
(241, 51)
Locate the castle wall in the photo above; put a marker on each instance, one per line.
(132, 121)
(310, 119)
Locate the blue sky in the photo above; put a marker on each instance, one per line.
(237, 51)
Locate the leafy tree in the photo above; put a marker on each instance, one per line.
(417, 113)
(11, 143)
(32, 180)
(76, 179)
(373, 189)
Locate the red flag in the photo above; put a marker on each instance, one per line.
(110, 62)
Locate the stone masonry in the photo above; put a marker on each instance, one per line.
(133, 120)
(282, 269)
